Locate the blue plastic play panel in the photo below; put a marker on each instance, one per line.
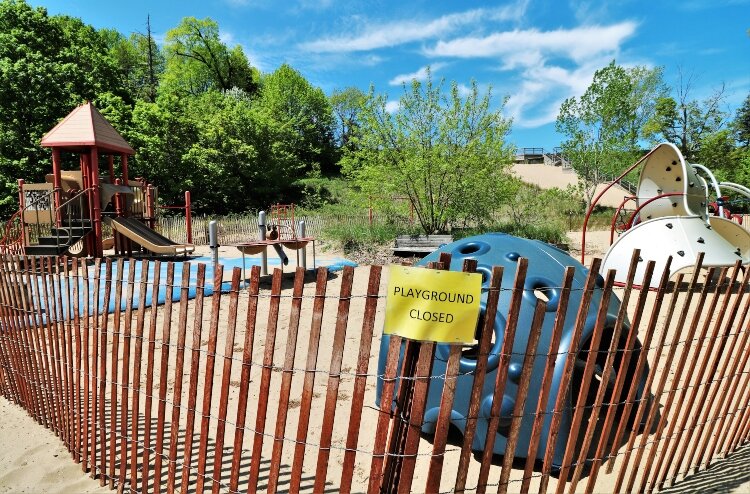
(335, 264)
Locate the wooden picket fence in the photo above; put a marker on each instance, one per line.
(133, 393)
(236, 229)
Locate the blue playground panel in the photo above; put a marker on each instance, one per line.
(545, 272)
(335, 264)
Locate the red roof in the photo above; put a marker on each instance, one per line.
(85, 126)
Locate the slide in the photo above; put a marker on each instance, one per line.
(148, 238)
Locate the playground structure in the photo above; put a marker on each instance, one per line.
(672, 217)
(548, 266)
(282, 231)
(66, 213)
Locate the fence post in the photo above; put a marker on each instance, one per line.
(369, 211)
(188, 217)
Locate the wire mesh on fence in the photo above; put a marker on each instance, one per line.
(269, 388)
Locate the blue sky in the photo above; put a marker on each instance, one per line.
(537, 53)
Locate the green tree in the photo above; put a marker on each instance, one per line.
(447, 154)
(684, 121)
(48, 66)
(602, 128)
(346, 105)
(139, 62)
(302, 108)
(198, 61)
(234, 154)
(742, 123)
(716, 153)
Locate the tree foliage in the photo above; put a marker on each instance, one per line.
(684, 121)
(742, 123)
(198, 61)
(288, 97)
(48, 66)
(195, 111)
(346, 105)
(602, 128)
(446, 154)
(233, 153)
(139, 63)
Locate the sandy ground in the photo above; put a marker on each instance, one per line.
(32, 459)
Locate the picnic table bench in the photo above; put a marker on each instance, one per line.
(419, 244)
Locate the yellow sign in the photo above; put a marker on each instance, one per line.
(432, 305)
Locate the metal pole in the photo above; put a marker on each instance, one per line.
(262, 237)
(22, 206)
(304, 248)
(213, 241)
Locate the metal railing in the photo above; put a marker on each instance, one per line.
(46, 221)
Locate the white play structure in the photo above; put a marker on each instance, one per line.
(672, 218)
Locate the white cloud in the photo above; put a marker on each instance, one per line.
(392, 106)
(419, 75)
(577, 44)
(549, 66)
(543, 88)
(464, 90)
(396, 33)
(593, 11)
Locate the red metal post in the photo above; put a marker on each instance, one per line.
(57, 182)
(21, 205)
(596, 200)
(189, 217)
(96, 207)
(84, 160)
(118, 213)
(124, 163)
(111, 167)
(150, 206)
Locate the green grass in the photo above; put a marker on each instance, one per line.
(353, 237)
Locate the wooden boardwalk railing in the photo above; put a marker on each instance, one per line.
(269, 384)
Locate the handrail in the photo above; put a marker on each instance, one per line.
(34, 202)
(646, 203)
(77, 196)
(740, 189)
(714, 182)
(614, 217)
(599, 196)
(4, 239)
